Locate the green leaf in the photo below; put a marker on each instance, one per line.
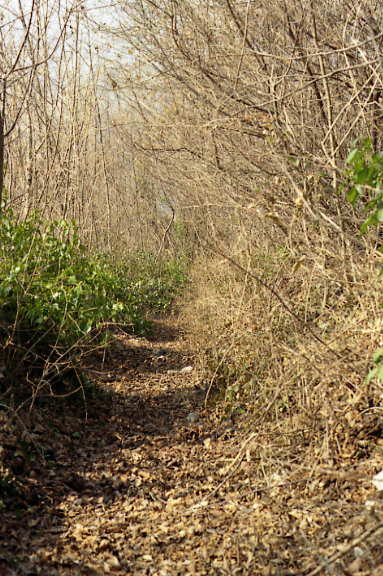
(371, 220)
(379, 373)
(363, 176)
(352, 195)
(378, 355)
(350, 158)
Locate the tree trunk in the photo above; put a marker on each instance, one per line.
(2, 142)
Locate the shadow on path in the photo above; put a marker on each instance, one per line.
(143, 393)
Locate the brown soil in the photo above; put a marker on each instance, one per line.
(153, 483)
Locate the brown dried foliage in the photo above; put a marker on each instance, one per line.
(248, 111)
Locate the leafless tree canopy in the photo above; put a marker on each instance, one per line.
(215, 108)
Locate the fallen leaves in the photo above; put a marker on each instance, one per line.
(152, 488)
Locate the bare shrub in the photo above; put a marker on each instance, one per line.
(247, 112)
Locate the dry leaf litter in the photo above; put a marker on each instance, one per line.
(154, 483)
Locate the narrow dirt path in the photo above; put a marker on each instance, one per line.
(153, 484)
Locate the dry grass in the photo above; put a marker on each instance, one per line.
(264, 362)
(311, 425)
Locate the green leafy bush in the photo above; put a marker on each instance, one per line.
(49, 282)
(365, 175)
(52, 288)
(155, 283)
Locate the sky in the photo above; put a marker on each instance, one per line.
(12, 29)
(98, 11)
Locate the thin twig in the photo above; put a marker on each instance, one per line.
(276, 295)
(366, 534)
(2, 138)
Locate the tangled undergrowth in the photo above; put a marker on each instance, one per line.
(241, 141)
(59, 303)
(301, 373)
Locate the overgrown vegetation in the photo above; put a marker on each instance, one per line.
(364, 188)
(366, 179)
(60, 301)
(279, 294)
(56, 295)
(241, 141)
